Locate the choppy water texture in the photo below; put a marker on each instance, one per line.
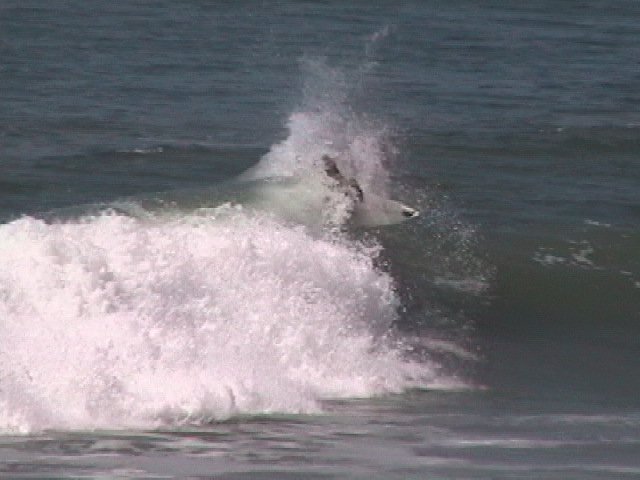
(261, 332)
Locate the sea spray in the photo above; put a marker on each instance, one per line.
(325, 123)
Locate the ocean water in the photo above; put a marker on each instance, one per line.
(184, 294)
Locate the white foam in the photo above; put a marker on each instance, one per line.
(113, 321)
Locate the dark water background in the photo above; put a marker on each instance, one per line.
(518, 122)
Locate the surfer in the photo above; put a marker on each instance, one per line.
(350, 186)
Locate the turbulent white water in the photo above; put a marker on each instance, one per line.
(113, 321)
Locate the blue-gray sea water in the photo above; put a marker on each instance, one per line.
(497, 335)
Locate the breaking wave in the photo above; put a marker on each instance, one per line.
(110, 321)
